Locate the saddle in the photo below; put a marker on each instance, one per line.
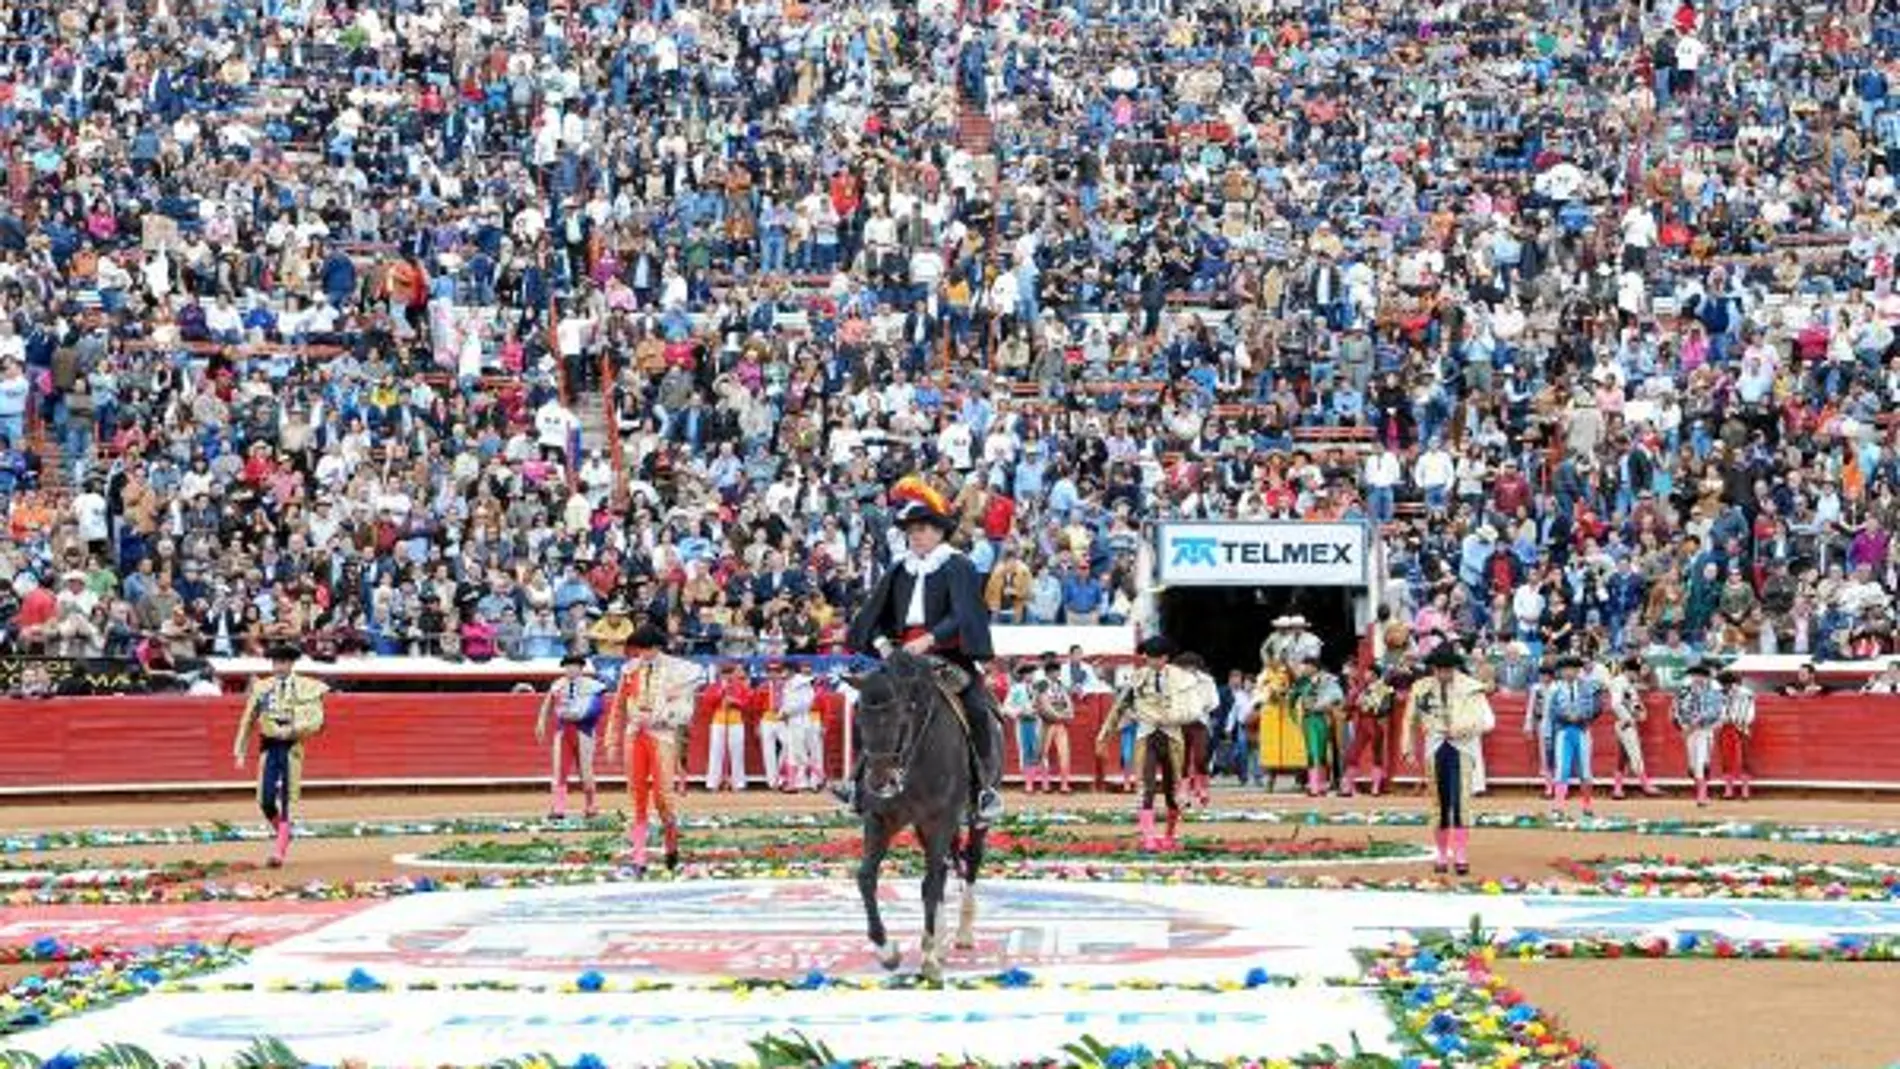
(951, 681)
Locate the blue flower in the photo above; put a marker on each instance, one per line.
(425, 884)
(1425, 961)
(1125, 1057)
(1412, 1062)
(814, 980)
(1258, 977)
(45, 948)
(146, 974)
(590, 981)
(1685, 942)
(360, 981)
(1587, 1063)
(1014, 978)
(589, 1061)
(1520, 1013)
(1424, 996)
(1443, 1023)
(65, 1059)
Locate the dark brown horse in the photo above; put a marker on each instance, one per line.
(916, 774)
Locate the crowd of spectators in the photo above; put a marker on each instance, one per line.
(474, 328)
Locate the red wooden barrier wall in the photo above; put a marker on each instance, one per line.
(161, 741)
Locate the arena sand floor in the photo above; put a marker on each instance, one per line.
(1246, 947)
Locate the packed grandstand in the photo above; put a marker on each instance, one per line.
(486, 330)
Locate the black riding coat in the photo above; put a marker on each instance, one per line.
(954, 612)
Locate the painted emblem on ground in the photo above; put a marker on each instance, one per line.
(777, 929)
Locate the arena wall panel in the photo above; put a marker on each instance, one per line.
(167, 742)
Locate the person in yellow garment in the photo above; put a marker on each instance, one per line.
(1451, 709)
(1282, 746)
(287, 710)
(611, 632)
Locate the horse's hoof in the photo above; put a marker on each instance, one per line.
(890, 957)
(965, 941)
(932, 972)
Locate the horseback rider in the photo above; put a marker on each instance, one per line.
(930, 604)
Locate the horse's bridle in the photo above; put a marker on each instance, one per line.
(906, 755)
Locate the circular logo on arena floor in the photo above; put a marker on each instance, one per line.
(789, 929)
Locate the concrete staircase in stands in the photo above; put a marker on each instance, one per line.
(976, 131)
(590, 406)
(56, 468)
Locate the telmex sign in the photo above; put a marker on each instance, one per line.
(1270, 553)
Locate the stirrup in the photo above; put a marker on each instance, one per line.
(989, 806)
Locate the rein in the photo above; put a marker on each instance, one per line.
(907, 757)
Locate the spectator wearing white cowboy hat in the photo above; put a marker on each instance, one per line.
(1302, 645)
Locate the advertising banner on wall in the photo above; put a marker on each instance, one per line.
(47, 677)
(1263, 553)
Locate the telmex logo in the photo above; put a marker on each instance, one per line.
(1209, 552)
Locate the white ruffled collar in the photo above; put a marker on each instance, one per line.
(920, 567)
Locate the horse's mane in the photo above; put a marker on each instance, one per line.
(903, 674)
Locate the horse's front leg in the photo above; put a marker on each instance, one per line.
(938, 845)
(966, 912)
(877, 841)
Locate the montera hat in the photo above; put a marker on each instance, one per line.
(647, 637)
(1156, 646)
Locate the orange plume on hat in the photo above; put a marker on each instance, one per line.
(913, 489)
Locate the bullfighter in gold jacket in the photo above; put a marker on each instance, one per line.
(286, 709)
(1451, 709)
(1161, 700)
